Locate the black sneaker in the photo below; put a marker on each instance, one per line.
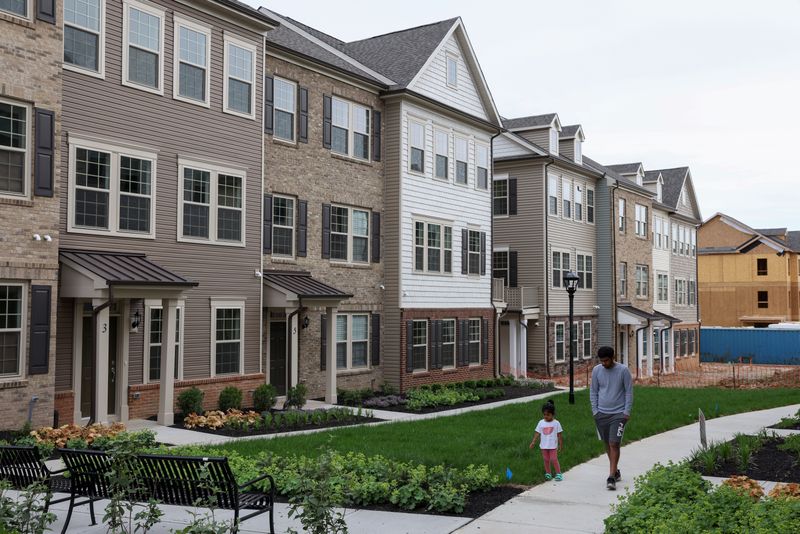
(617, 476)
(611, 483)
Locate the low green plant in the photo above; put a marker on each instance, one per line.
(791, 444)
(471, 384)
(296, 396)
(77, 443)
(388, 389)
(45, 447)
(206, 522)
(789, 422)
(190, 401)
(419, 399)
(230, 398)
(27, 513)
(264, 397)
(314, 505)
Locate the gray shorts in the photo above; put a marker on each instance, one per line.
(610, 427)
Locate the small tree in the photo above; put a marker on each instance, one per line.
(296, 396)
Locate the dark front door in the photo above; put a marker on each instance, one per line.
(277, 356)
(87, 367)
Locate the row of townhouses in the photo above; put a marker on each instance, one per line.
(201, 194)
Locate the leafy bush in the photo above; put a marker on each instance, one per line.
(471, 384)
(354, 397)
(264, 397)
(230, 398)
(418, 399)
(388, 389)
(484, 394)
(191, 401)
(789, 422)
(791, 444)
(26, 513)
(46, 448)
(251, 421)
(60, 436)
(296, 396)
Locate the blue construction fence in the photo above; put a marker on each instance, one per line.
(772, 346)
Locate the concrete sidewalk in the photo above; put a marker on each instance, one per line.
(581, 501)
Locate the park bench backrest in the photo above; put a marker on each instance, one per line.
(88, 471)
(187, 480)
(21, 466)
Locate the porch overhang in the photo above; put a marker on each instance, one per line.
(292, 289)
(631, 315)
(662, 319)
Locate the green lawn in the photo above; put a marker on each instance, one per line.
(499, 438)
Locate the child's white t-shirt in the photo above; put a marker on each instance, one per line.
(548, 433)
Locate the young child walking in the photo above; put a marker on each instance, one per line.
(549, 431)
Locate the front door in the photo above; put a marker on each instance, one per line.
(277, 356)
(87, 365)
(623, 347)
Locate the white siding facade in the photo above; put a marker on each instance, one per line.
(661, 261)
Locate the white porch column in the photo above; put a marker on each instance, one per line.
(513, 343)
(294, 342)
(166, 391)
(101, 336)
(650, 349)
(330, 358)
(522, 353)
(122, 359)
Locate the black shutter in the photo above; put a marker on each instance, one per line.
(326, 121)
(38, 363)
(512, 268)
(302, 228)
(376, 237)
(409, 346)
(512, 196)
(376, 135)
(326, 231)
(437, 337)
(46, 10)
(464, 251)
(485, 341)
(463, 342)
(269, 104)
(45, 142)
(376, 339)
(323, 341)
(483, 253)
(302, 134)
(267, 224)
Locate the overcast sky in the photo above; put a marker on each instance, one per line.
(710, 84)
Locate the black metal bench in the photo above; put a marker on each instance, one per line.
(175, 480)
(23, 466)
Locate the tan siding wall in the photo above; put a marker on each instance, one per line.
(633, 249)
(539, 137)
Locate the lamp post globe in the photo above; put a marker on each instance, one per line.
(571, 280)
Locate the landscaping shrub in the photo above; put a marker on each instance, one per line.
(251, 421)
(471, 384)
(296, 396)
(61, 436)
(418, 399)
(386, 401)
(388, 389)
(789, 422)
(191, 401)
(264, 397)
(230, 398)
(26, 512)
(354, 397)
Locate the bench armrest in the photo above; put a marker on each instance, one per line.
(58, 471)
(259, 479)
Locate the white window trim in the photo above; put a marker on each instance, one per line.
(28, 171)
(351, 235)
(200, 28)
(480, 146)
(578, 188)
(228, 40)
(554, 137)
(215, 171)
(563, 341)
(293, 141)
(584, 271)
(448, 58)
(222, 305)
(567, 185)
(622, 216)
(466, 140)
(593, 206)
(156, 12)
(424, 148)
(436, 154)
(413, 346)
(470, 252)
(442, 249)
(349, 342)
(114, 193)
(645, 283)
(586, 355)
(578, 151)
(29, 6)
(641, 229)
(351, 130)
(500, 178)
(559, 208)
(101, 47)
(23, 332)
(572, 257)
(660, 275)
(622, 281)
(294, 226)
(454, 343)
(149, 306)
(479, 342)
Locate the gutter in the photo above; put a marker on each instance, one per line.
(614, 289)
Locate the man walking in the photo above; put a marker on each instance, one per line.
(611, 395)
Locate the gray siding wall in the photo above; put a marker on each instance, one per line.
(540, 137)
(683, 267)
(604, 280)
(566, 148)
(175, 129)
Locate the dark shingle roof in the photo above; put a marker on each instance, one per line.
(302, 284)
(322, 36)
(673, 184)
(793, 238)
(780, 232)
(626, 168)
(248, 10)
(534, 121)
(651, 176)
(609, 170)
(568, 132)
(400, 55)
(123, 268)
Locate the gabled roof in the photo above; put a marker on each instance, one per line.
(777, 232)
(792, 241)
(532, 122)
(621, 180)
(651, 176)
(626, 168)
(572, 131)
(793, 238)
(674, 180)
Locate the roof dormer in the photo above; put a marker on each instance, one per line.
(632, 171)
(571, 143)
(541, 130)
(660, 190)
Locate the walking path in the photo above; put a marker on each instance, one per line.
(581, 502)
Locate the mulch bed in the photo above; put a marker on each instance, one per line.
(510, 392)
(236, 433)
(768, 463)
(478, 504)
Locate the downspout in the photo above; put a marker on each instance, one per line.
(491, 278)
(614, 290)
(547, 260)
(636, 336)
(95, 348)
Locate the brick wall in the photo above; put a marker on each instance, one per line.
(30, 60)
(633, 249)
(432, 376)
(562, 368)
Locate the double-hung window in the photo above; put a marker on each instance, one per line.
(674, 238)
(452, 71)
(500, 265)
(474, 341)
(566, 194)
(448, 343)
(142, 52)
(642, 281)
(240, 68)
(623, 278)
(587, 339)
(14, 142)
(573, 342)
(283, 220)
(12, 315)
(154, 337)
(561, 265)
(621, 219)
(585, 271)
(417, 144)
(84, 35)
(662, 288)
(553, 141)
(228, 336)
(18, 8)
(692, 293)
(352, 341)
(419, 345)
(590, 206)
(349, 234)
(433, 247)
(552, 195)
(474, 252)
(192, 53)
(112, 190)
(578, 203)
(641, 220)
(213, 204)
(693, 241)
(559, 342)
(285, 95)
(441, 149)
(500, 196)
(680, 291)
(350, 129)
(462, 160)
(482, 165)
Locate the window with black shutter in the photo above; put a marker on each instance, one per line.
(326, 121)
(376, 135)
(45, 142)
(376, 237)
(269, 104)
(376, 340)
(267, 230)
(512, 196)
(302, 134)
(326, 231)
(302, 228)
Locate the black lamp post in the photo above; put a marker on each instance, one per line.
(571, 284)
